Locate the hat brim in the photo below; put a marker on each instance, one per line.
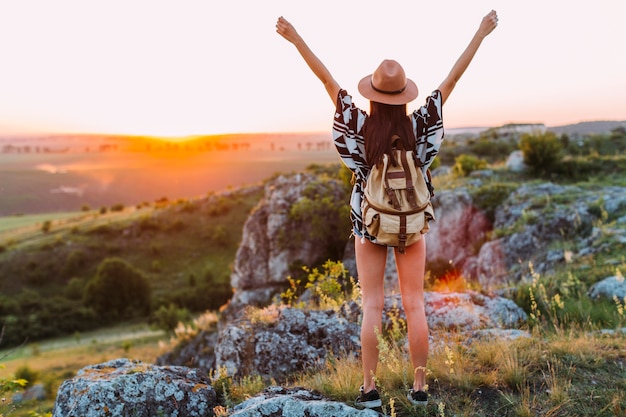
(407, 95)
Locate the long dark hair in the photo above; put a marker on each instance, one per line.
(385, 121)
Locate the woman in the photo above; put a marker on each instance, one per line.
(361, 140)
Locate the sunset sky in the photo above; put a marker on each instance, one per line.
(200, 67)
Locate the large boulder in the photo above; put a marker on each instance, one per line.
(459, 229)
(278, 340)
(267, 255)
(129, 388)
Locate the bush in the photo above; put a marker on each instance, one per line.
(209, 296)
(493, 150)
(46, 226)
(324, 215)
(117, 207)
(542, 152)
(582, 168)
(26, 373)
(118, 290)
(167, 318)
(74, 289)
(488, 197)
(75, 262)
(465, 164)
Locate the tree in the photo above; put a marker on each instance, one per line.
(118, 290)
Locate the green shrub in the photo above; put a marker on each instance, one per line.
(324, 215)
(465, 164)
(46, 226)
(490, 196)
(74, 289)
(147, 224)
(75, 262)
(582, 168)
(492, 150)
(329, 287)
(117, 207)
(542, 152)
(28, 374)
(208, 296)
(118, 290)
(167, 318)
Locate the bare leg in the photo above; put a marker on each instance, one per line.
(411, 266)
(370, 261)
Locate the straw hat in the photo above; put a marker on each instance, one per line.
(388, 84)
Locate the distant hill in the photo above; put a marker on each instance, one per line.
(588, 128)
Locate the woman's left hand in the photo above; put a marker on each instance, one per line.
(286, 30)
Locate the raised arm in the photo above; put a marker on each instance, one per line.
(487, 25)
(287, 31)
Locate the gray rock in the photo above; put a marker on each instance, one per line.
(277, 341)
(460, 226)
(471, 311)
(515, 162)
(37, 392)
(264, 258)
(610, 287)
(129, 388)
(295, 402)
(496, 334)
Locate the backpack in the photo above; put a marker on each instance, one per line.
(396, 206)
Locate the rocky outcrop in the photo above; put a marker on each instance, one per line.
(533, 218)
(278, 341)
(129, 388)
(266, 256)
(295, 402)
(459, 229)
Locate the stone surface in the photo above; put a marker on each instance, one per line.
(610, 287)
(459, 228)
(280, 340)
(295, 402)
(264, 259)
(123, 388)
(515, 162)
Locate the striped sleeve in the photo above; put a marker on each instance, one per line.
(428, 128)
(348, 135)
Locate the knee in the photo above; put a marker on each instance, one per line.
(373, 304)
(413, 306)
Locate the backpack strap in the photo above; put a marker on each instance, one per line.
(390, 191)
(402, 234)
(410, 187)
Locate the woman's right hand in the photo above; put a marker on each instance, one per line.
(488, 24)
(286, 30)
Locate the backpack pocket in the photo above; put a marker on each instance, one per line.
(385, 227)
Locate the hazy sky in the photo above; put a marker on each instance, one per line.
(200, 67)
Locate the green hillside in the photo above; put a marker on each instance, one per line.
(183, 249)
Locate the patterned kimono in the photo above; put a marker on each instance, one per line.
(348, 138)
